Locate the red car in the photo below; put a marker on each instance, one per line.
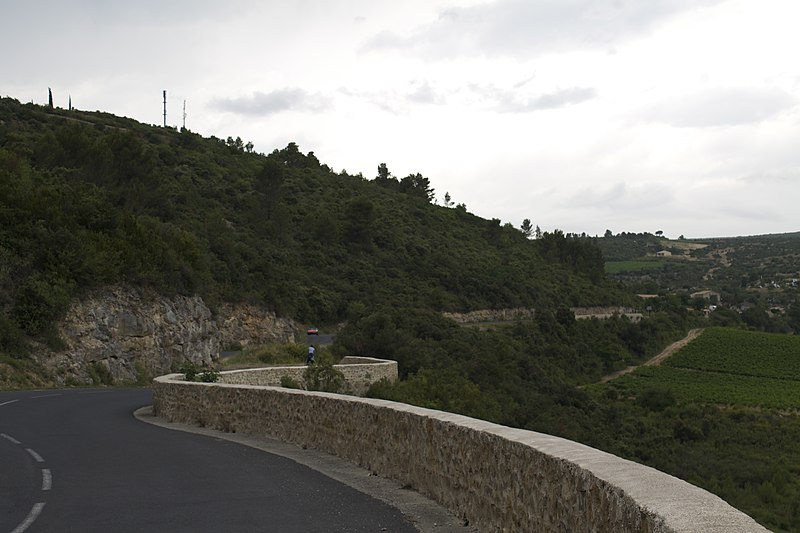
(313, 331)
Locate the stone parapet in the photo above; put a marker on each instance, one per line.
(359, 374)
(498, 478)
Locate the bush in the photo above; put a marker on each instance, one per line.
(99, 374)
(209, 375)
(189, 370)
(281, 354)
(322, 376)
(656, 399)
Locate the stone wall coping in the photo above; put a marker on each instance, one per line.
(359, 374)
(362, 360)
(348, 360)
(674, 504)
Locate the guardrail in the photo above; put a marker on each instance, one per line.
(499, 478)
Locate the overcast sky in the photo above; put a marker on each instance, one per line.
(583, 115)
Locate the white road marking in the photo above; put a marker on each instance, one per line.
(35, 455)
(33, 515)
(10, 438)
(8, 402)
(46, 396)
(47, 479)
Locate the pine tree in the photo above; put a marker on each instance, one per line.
(527, 228)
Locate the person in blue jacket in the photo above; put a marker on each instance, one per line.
(310, 357)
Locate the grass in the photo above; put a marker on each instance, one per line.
(273, 354)
(21, 374)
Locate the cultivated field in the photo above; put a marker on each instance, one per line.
(727, 367)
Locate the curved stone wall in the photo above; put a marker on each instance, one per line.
(498, 478)
(359, 374)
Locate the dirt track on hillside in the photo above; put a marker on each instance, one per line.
(657, 360)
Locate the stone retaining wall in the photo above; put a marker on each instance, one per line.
(359, 374)
(498, 478)
(524, 313)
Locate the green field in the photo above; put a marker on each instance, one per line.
(749, 353)
(727, 367)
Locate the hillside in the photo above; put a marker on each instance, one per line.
(741, 281)
(89, 199)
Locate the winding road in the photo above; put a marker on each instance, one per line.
(78, 460)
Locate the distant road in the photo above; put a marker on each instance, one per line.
(77, 460)
(323, 339)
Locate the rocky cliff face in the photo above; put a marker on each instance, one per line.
(125, 334)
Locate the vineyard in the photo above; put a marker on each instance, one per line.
(747, 353)
(726, 367)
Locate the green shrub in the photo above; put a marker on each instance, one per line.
(189, 370)
(322, 376)
(656, 398)
(99, 374)
(209, 375)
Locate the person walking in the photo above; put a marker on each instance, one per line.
(310, 357)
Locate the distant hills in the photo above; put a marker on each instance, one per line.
(753, 281)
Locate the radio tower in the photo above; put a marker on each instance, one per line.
(165, 108)
(184, 114)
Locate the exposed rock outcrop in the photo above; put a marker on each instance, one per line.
(125, 334)
(245, 325)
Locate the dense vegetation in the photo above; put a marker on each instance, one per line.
(88, 199)
(523, 375)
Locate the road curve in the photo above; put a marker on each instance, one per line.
(77, 460)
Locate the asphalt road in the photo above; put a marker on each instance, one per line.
(78, 460)
(321, 339)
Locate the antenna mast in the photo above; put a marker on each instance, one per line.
(184, 114)
(165, 108)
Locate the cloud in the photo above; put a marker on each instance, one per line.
(720, 107)
(623, 196)
(560, 98)
(520, 27)
(423, 93)
(507, 101)
(772, 177)
(287, 99)
(398, 102)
